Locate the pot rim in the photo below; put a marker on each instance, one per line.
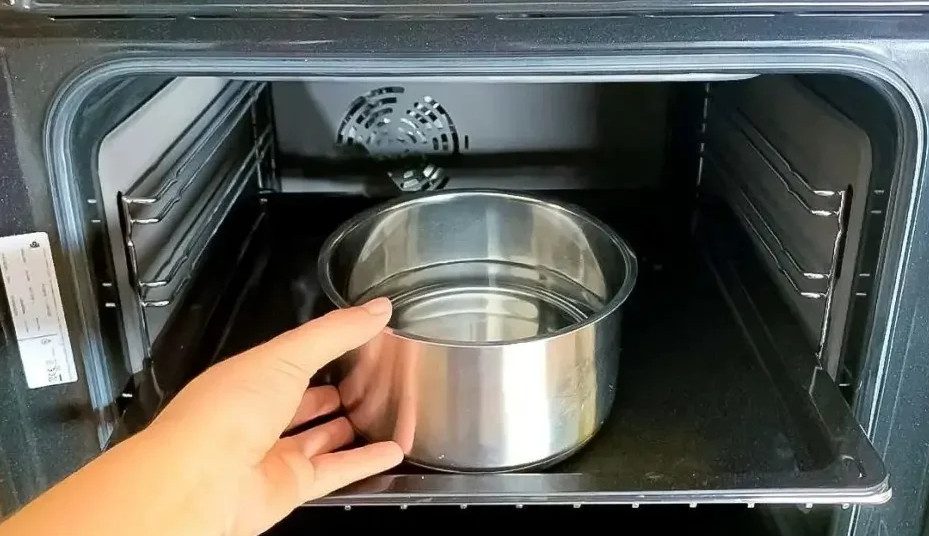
(630, 274)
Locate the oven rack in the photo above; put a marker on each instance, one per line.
(153, 186)
(793, 181)
(785, 261)
(196, 239)
(176, 208)
(763, 186)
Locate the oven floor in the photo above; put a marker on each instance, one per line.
(696, 412)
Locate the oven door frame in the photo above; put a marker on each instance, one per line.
(895, 62)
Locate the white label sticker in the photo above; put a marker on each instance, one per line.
(35, 303)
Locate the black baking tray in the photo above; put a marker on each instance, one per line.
(720, 398)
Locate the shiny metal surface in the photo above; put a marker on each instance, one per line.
(503, 349)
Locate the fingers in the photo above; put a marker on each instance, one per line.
(323, 438)
(310, 346)
(339, 469)
(290, 479)
(316, 401)
(356, 381)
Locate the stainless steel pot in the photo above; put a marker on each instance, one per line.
(503, 348)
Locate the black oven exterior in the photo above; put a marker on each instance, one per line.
(49, 432)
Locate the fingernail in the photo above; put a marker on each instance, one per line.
(377, 307)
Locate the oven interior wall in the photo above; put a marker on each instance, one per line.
(532, 135)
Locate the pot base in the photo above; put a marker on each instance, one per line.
(534, 466)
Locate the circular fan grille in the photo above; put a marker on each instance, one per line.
(389, 123)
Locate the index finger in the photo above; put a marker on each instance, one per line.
(314, 344)
(335, 470)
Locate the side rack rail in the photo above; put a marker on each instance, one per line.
(171, 215)
(799, 226)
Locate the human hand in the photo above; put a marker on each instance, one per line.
(214, 461)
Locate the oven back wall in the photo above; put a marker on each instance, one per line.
(490, 124)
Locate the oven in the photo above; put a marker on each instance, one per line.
(170, 174)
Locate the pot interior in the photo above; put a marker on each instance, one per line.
(480, 266)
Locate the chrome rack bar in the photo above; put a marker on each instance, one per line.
(777, 262)
(750, 225)
(133, 267)
(807, 274)
(726, 175)
(219, 104)
(179, 194)
(223, 207)
(237, 112)
(836, 251)
(742, 124)
(166, 272)
(221, 191)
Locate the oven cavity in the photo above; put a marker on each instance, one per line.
(755, 207)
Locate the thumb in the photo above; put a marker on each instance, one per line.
(314, 344)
